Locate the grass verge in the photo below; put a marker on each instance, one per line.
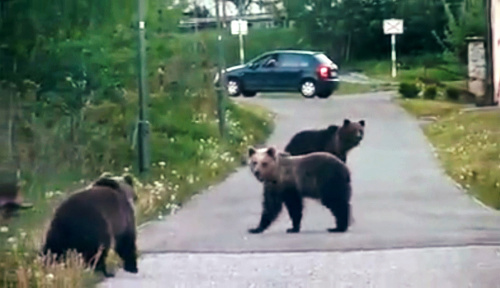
(467, 143)
(187, 155)
(413, 69)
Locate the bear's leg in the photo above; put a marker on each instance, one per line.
(341, 211)
(100, 266)
(127, 250)
(294, 205)
(272, 206)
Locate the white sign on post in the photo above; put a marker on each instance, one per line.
(239, 25)
(393, 27)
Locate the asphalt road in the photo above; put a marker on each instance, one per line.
(413, 226)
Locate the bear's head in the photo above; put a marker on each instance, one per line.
(351, 133)
(264, 163)
(124, 184)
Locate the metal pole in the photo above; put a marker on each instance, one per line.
(393, 45)
(242, 50)
(222, 79)
(196, 16)
(143, 124)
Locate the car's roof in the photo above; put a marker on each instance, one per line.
(306, 52)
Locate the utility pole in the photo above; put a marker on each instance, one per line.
(143, 124)
(220, 89)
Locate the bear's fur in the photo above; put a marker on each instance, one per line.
(288, 179)
(95, 218)
(334, 139)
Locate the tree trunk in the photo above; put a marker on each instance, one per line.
(348, 47)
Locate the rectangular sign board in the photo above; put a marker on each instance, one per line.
(393, 26)
(236, 25)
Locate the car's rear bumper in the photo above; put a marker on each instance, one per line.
(329, 85)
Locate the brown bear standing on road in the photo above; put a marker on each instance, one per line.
(93, 219)
(335, 140)
(288, 179)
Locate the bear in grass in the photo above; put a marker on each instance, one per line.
(92, 220)
(288, 179)
(334, 139)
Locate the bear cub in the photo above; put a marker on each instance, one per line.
(93, 219)
(288, 179)
(334, 139)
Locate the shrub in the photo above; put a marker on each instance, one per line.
(452, 93)
(408, 90)
(430, 92)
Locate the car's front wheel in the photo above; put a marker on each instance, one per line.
(233, 87)
(308, 88)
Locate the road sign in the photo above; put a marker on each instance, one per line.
(393, 26)
(239, 25)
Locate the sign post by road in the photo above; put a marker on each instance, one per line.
(393, 27)
(240, 27)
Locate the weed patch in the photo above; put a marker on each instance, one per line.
(466, 144)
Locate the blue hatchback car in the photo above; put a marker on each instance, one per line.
(308, 72)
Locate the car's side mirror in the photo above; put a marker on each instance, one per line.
(253, 65)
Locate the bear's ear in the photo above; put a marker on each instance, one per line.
(347, 122)
(271, 151)
(128, 179)
(332, 129)
(107, 182)
(362, 123)
(251, 151)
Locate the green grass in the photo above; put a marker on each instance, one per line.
(381, 70)
(187, 155)
(466, 144)
(426, 108)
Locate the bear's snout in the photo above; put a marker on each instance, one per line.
(257, 174)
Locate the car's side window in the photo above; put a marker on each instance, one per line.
(270, 61)
(293, 61)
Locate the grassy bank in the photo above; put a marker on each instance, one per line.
(466, 143)
(411, 69)
(187, 155)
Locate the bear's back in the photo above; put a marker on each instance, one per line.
(308, 141)
(96, 202)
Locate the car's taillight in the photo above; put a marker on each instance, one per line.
(324, 71)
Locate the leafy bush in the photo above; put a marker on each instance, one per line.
(408, 90)
(430, 92)
(452, 93)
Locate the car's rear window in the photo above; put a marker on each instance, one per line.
(322, 58)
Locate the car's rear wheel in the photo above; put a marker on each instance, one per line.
(324, 94)
(233, 87)
(248, 93)
(308, 88)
